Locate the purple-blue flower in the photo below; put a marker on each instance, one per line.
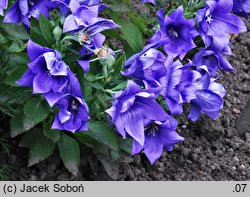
(83, 17)
(23, 10)
(178, 85)
(73, 110)
(242, 7)
(159, 135)
(209, 97)
(131, 108)
(177, 33)
(87, 26)
(73, 5)
(47, 73)
(3, 6)
(214, 59)
(147, 65)
(216, 22)
(148, 1)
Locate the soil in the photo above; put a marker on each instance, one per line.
(212, 151)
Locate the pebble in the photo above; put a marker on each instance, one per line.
(236, 111)
(242, 167)
(33, 177)
(235, 159)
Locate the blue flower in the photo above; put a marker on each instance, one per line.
(47, 73)
(131, 107)
(216, 22)
(3, 5)
(23, 10)
(177, 33)
(213, 59)
(73, 110)
(178, 85)
(84, 18)
(209, 97)
(147, 65)
(73, 5)
(242, 7)
(148, 1)
(158, 135)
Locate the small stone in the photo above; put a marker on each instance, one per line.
(242, 167)
(184, 126)
(236, 111)
(213, 167)
(235, 159)
(33, 177)
(218, 152)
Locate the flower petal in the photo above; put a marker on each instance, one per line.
(153, 148)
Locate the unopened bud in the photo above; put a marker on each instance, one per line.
(106, 56)
(57, 33)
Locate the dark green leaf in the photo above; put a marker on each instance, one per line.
(132, 35)
(110, 165)
(41, 148)
(35, 112)
(52, 134)
(102, 133)
(16, 31)
(46, 29)
(70, 153)
(36, 34)
(16, 125)
(126, 145)
(15, 75)
(119, 65)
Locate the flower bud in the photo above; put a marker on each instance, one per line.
(57, 33)
(106, 56)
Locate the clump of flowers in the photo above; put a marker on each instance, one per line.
(74, 70)
(194, 83)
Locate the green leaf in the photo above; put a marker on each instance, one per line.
(110, 165)
(46, 29)
(126, 145)
(15, 75)
(40, 149)
(52, 134)
(132, 35)
(119, 87)
(16, 125)
(16, 31)
(70, 153)
(35, 112)
(102, 133)
(18, 59)
(36, 34)
(119, 65)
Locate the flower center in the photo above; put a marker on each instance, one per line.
(74, 105)
(102, 52)
(209, 18)
(210, 58)
(31, 2)
(172, 33)
(152, 129)
(83, 37)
